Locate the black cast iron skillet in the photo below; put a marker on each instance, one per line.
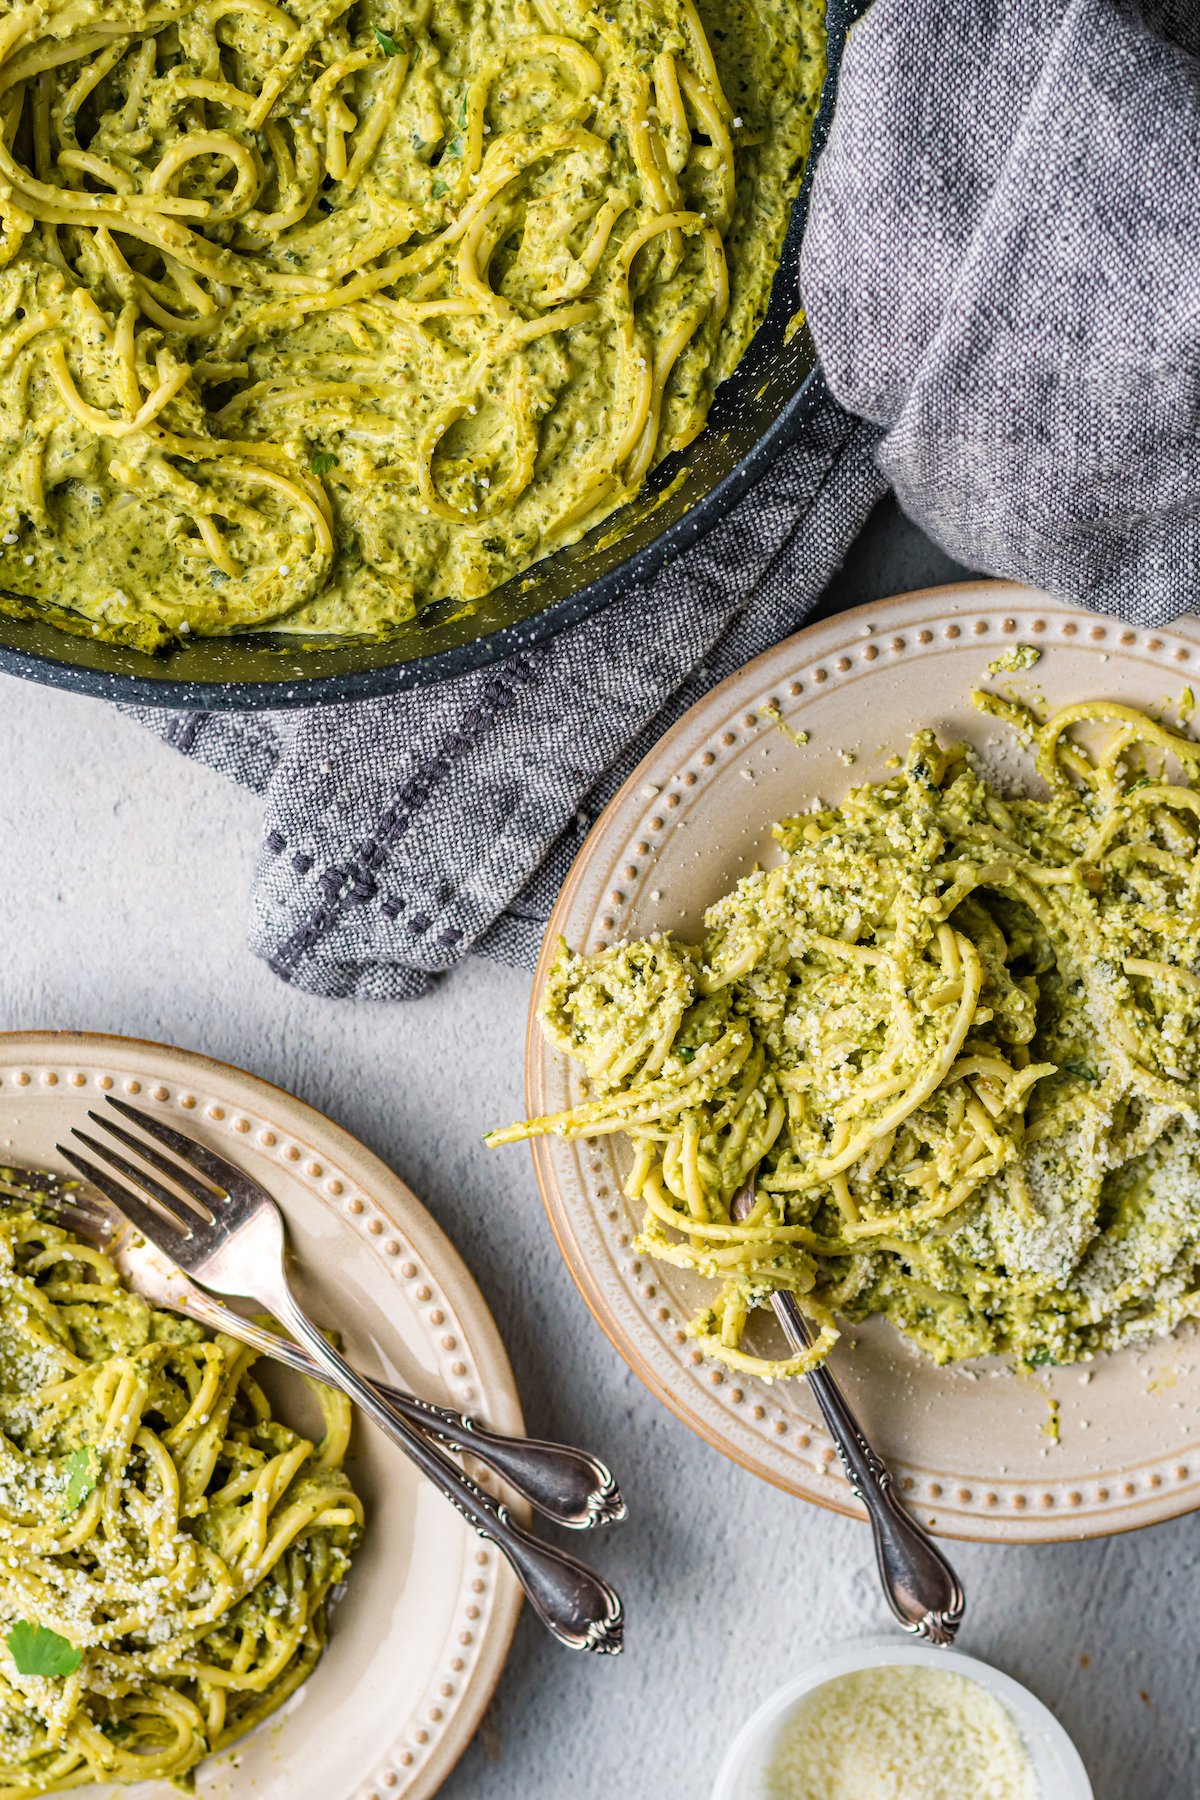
(757, 412)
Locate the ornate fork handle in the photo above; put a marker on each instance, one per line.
(575, 1604)
(922, 1589)
(567, 1485)
(229, 1237)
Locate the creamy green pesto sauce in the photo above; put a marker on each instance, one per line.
(952, 1043)
(300, 282)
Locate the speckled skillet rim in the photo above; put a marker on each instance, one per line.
(438, 1748)
(844, 642)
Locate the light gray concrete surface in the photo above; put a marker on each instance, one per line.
(125, 884)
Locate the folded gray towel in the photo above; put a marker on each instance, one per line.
(1002, 269)
(401, 833)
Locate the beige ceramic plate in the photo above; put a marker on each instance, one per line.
(970, 1445)
(418, 1642)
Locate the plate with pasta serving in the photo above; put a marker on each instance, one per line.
(901, 925)
(209, 1570)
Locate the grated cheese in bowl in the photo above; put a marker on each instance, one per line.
(900, 1733)
(892, 1718)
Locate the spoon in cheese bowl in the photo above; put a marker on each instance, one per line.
(921, 1587)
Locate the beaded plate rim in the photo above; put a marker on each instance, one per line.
(576, 1182)
(408, 1244)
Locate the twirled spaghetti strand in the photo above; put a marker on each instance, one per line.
(954, 1040)
(465, 276)
(176, 1540)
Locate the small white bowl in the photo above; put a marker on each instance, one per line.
(1057, 1764)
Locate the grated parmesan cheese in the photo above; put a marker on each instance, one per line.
(900, 1733)
(1015, 658)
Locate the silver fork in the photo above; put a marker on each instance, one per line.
(228, 1235)
(567, 1485)
(921, 1587)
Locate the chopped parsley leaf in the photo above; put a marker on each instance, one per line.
(37, 1650)
(82, 1469)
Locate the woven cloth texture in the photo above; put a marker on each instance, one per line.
(401, 833)
(1002, 272)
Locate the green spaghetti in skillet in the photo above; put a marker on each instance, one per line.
(314, 313)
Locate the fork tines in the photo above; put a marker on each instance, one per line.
(37, 1184)
(198, 1176)
(193, 1155)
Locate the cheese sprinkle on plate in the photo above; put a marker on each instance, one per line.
(953, 1039)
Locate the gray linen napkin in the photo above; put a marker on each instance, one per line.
(1002, 269)
(401, 833)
